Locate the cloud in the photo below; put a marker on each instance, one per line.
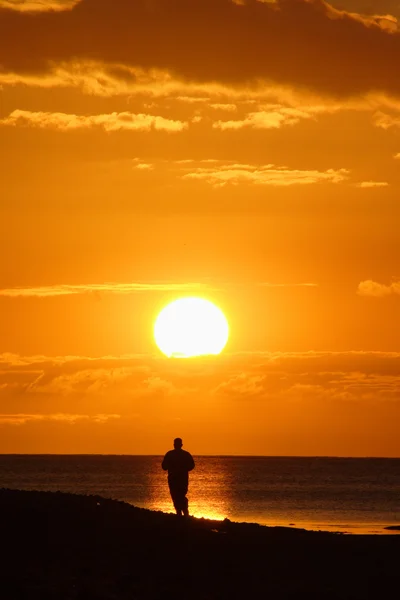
(144, 397)
(67, 380)
(386, 22)
(211, 43)
(263, 175)
(23, 419)
(109, 122)
(378, 290)
(268, 284)
(314, 376)
(89, 380)
(227, 107)
(243, 384)
(190, 161)
(53, 291)
(306, 392)
(192, 99)
(218, 172)
(163, 387)
(97, 78)
(105, 288)
(266, 374)
(68, 377)
(144, 166)
(372, 184)
(386, 121)
(272, 119)
(38, 5)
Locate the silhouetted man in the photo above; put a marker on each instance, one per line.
(178, 463)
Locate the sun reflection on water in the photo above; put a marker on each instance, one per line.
(243, 491)
(208, 497)
(211, 513)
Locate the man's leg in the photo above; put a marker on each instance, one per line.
(184, 500)
(176, 500)
(185, 506)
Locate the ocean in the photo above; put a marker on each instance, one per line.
(353, 495)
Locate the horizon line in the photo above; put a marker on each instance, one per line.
(213, 455)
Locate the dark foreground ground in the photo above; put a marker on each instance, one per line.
(68, 547)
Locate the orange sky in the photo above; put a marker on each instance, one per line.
(244, 151)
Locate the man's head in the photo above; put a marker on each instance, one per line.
(178, 443)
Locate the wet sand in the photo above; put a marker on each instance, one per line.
(64, 546)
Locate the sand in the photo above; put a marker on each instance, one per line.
(65, 546)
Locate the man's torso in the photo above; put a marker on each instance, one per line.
(178, 463)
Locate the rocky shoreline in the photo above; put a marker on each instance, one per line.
(70, 547)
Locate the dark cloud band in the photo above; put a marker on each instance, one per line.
(303, 43)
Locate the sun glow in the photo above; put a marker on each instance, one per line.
(191, 327)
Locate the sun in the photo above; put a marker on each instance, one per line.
(191, 327)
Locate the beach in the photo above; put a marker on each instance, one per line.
(73, 547)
